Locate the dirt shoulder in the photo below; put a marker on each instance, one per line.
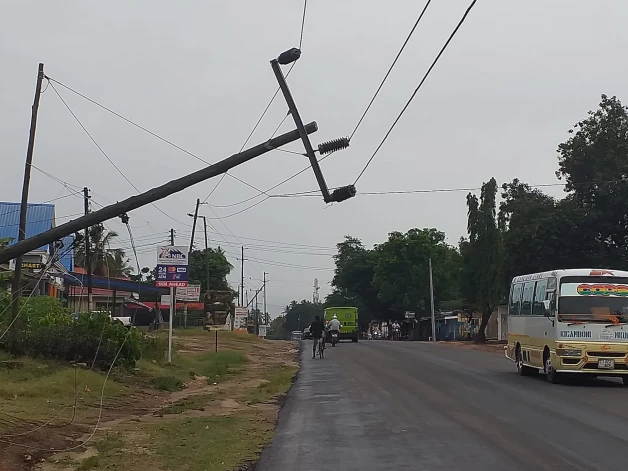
(208, 411)
(490, 346)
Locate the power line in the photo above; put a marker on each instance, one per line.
(265, 109)
(139, 126)
(464, 17)
(390, 68)
(107, 156)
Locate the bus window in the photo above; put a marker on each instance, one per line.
(515, 299)
(526, 299)
(539, 296)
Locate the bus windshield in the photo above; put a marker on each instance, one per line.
(611, 310)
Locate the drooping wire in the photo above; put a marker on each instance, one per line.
(266, 109)
(462, 20)
(107, 156)
(392, 66)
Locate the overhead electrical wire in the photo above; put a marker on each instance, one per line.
(107, 156)
(403, 110)
(261, 192)
(392, 66)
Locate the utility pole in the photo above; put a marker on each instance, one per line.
(242, 276)
(198, 202)
(256, 316)
(88, 255)
(172, 306)
(265, 311)
(21, 235)
(207, 251)
(432, 302)
(150, 196)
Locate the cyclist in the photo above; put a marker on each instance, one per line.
(317, 329)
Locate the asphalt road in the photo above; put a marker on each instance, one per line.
(383, 405)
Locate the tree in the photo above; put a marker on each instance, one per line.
(276, 330)
(146, 275)
(105, 261)
(401, 273)
(214, 260)
(594, 164)
(482, 256)
(298, 316)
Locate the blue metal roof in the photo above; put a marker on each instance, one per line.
(39, 218)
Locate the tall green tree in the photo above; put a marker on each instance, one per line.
(298, 316)
(105, 260)
(482, 256)
(594, 164)
(214, 260)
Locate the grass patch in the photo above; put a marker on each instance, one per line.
(196, 402)
(278, 382)
(168, 383)
(110, 443)
(210, 444)
(38, 389)
(89, 463)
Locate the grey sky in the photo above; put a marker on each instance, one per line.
(515, 78)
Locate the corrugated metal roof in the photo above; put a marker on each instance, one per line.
(67, 253)
(39, 218)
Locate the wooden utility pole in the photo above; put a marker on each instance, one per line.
(242, 277)
(150, 196)
(173, 304)
(198, 202)
(88, 255)
(21, 235)
(265, 312)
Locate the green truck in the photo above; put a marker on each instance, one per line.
(348, 317)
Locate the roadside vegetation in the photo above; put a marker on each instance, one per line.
(206, 411)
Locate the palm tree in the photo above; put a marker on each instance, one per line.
(105, 261)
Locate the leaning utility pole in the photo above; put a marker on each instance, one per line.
(150, 196)
(16, 287)
(206, 252)
(88, 255)
(198, 202)
(432, 302)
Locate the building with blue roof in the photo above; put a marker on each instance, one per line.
(40, 217)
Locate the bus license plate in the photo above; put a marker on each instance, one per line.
(606, 364)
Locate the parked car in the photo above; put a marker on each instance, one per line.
(306, 334)
(296, 335)
(125, 321)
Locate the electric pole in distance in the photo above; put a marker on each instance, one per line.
(16, 287)
(88, 255)
(265, 311)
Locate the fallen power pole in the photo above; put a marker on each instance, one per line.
(150, 196)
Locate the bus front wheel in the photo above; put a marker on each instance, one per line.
(625, 380)
(550, 372)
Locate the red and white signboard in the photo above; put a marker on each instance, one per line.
(190, 293)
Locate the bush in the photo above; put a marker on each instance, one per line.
(154, 348)
(89, 338)
(168, 383)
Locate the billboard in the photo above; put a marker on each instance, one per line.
(172, 267)
(190, 293)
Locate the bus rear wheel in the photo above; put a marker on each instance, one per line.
(522, 369)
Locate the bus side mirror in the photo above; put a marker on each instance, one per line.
(547, 311)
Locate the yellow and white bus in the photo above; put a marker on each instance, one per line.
(569, 321)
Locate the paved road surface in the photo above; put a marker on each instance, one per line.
(383, 405)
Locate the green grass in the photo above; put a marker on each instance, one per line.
(168, 383)
(87, 464)
(196, 402)
(40, 389)
(279, 382)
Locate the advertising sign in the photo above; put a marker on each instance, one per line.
(172, 267)
(190, 293)
(241, 315)
(263, 329)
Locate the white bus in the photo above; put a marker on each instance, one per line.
(569, 321)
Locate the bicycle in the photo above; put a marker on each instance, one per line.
(321, 348)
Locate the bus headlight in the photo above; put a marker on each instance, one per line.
(568, 352)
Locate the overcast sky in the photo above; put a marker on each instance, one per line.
(516, 77)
